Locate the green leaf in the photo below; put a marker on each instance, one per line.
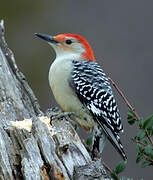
(130, 114)
(131, 117)
(145, 163)
(148, 150)
(151, 134)
(114, 176)
(89, 140)
(139, 148)
(150, 131)
(120, 167)
(139, 157)
(141, 134)
(131, 121)
(140, 122)
(145, 142)
(148, 122)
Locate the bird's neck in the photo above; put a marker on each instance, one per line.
(68, 57)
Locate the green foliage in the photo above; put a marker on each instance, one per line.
(131, 117)
(143, 139)
(139, 148)
(89, 140)
(139, 158)
(114, 176)
(140, 123)
(150, 131)
(148, 124)
(141, 134)
(119, 169)
(144, 153)
(145, 163)
(148, 150)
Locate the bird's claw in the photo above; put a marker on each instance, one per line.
(56, 114)
(62, 115)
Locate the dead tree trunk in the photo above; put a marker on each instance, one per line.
(41, 153)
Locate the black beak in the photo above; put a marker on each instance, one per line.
(47, 38)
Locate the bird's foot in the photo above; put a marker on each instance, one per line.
(52, 111)
(65, 115)
(56, 113)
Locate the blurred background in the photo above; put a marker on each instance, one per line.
(121, 34)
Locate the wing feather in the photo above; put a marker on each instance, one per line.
(94, 91)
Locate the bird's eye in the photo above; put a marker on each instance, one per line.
(68, 41)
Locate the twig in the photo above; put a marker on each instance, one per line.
(149, 137)
(141, 143)
(107, 167)
(124, 98)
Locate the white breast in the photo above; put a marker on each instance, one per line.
(59, 75)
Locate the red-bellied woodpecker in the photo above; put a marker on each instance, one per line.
(80, 85)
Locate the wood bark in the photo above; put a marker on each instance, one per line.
(38, 154)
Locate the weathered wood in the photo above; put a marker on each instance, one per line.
(93, 170)
(43, 152)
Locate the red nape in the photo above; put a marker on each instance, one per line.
(88, 54)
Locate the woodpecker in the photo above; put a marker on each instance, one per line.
(80, 85)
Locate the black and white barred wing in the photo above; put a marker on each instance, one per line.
(94, 91)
